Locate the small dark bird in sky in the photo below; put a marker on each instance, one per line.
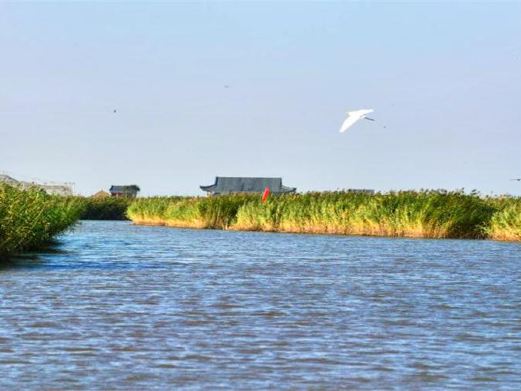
(516, 179)
(226, 86)
(115, 111)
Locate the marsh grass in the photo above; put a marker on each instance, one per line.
(29, 219)
(107, 208)
(189, 212)
(422, 214)
(506, 221)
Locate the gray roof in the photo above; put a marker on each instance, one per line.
(8, 180)
(64, 189)
(226, 185)
(124, 189)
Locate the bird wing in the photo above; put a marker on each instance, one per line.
(364, 112)
(353, 117)
(349, 121)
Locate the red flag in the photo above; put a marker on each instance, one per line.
(265, 194)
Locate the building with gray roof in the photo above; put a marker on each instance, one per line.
(8, 180)
(124, 191)
(62, 189)
(229, 185)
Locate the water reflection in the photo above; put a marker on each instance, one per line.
(121, 306)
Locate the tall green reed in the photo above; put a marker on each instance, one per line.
(506, 221)
(30, 218)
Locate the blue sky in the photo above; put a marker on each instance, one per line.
(260, 89)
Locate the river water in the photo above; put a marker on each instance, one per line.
(117, 306)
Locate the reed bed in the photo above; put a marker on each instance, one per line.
(417, 214)
(30, 219)
(506, 221)
(189, 212)
(106, 208)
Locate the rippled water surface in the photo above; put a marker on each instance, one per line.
(122, 306)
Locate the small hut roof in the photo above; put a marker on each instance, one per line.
(101, 194)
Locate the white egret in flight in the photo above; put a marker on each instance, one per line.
(355, 116)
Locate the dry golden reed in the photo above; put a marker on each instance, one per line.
(417, 214)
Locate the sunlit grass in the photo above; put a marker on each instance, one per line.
(422, 214)
(506, 221)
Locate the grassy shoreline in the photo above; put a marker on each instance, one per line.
(30, 219)
(423, 214)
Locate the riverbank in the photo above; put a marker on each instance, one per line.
(424, 214)
(30, 219)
